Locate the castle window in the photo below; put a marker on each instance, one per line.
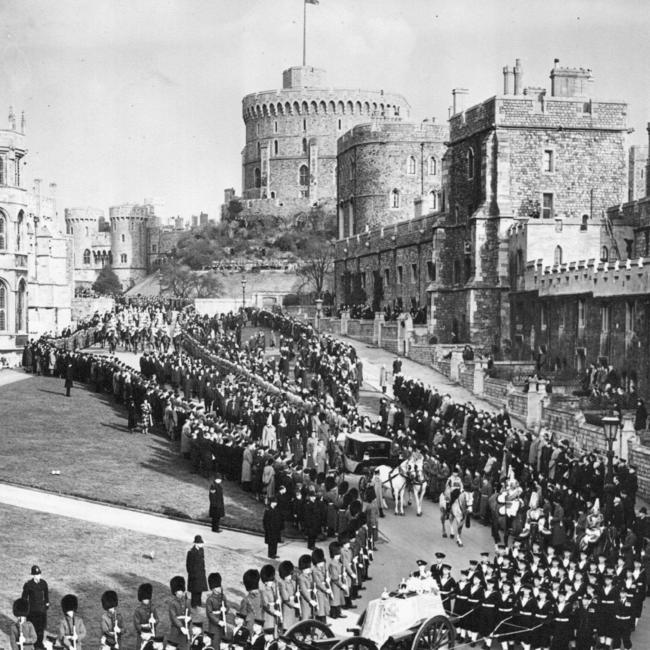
(87, 256)
(400, 275)
(3, 233)
(630, 315)
(585, 222)
(275, 126)
(123, 258)
(410, 165)
(19, 230)
(519, 262)
(581, 312)
(387, 277)
(414, 273)
(272, 195)
(304, 175)
(259, 150)
(557, 255)
(2, 171)
(20, 307)
(548, 161)
(433, 166)
(605, 317)
(394, 199)
(431, 271)
(304, 145)
(340, 124)
(456, 272)
(17, 172)
(275, 147)
(109, 257)
(304, 125)
(258, 177)
(470, 164)
(547, 205)
(3, 306)
(433, 201)
(123, 238)
(604, 254)
(153, 248)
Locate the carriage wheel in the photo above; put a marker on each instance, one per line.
(437, 633)
(355, 643)
(363, 484)
(303, 634)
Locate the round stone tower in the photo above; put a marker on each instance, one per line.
(385, 167)
(129, 241)
(291, 134)
(83, 225)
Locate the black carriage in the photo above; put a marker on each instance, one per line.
(362, 452)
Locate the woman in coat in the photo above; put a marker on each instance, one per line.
(217, 508)
(246, 467)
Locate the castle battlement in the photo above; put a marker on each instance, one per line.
(392, 130)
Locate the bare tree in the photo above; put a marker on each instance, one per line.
(316, 264)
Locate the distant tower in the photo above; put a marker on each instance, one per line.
(83, 225)
(129, 223)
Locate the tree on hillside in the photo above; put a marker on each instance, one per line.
(316, 263)
(107, 282)
(200, 248)
(180, 281)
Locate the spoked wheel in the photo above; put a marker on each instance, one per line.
(355, 643)
(437, 633)
(363, 484)
(303, 634)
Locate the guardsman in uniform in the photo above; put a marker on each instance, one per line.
(623, 623)
(216, 607)
(179, 614)
(240, 633)
(112, 624)
(288, 591)
(349, 571)
(22, 634)
(271, 607)
(307, 597)
(336, 576)
(72, 630)
(321, 585)
(251, 604)
(145, 617)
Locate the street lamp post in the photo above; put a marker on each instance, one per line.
(243, 292)
(610, 424)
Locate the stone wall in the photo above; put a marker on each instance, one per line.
(85, 307)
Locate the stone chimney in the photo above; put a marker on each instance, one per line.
(508, 74)
(518, 73)
(459, 95)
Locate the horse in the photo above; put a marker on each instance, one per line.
(458, 512)
(409, 477)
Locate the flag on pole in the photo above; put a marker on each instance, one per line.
(311, 2)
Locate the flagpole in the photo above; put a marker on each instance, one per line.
(304, 33)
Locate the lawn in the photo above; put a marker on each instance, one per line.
(85, 559)
(85, 438)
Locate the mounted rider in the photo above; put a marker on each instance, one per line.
(453, 489)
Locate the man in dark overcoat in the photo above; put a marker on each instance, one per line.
(35, 592)
(273, 524)
(217, 509)
(197, 582)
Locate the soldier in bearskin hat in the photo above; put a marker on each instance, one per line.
(321, 585)
(337, 581)
(145, 617)
(288, 591)
(179, 614)
(271, 608)
(306, 594)
(216, 607)
(72, 630)
(251, 604)
(112, 624)
(22, 634)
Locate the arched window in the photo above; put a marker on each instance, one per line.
(123, 258)
(3, 232)
(123, 237)
(585, 222)
(258, 177)
(19, 230)
(87, 256)
(433, 166)
(304, 175)
(275, 147)
(410, 165)
(3, 307)
(394, 199)
(557, 257)
(604, 254)
(304, 145)
(21, 301)
(470, 164)
(433, 201)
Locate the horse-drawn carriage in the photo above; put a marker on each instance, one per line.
(402, 622)
(362, 452)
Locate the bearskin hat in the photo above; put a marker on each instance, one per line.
(251, 579)
(317, 556)
(335, 549)
(355, 508)
(177, 583)
(214, 580)
(69, 603)
(21, 607)
(267, 573)
(285, 569)
(109, 600)
(304, 562)
(145, 591)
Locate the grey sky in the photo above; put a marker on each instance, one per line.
(127, 99)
